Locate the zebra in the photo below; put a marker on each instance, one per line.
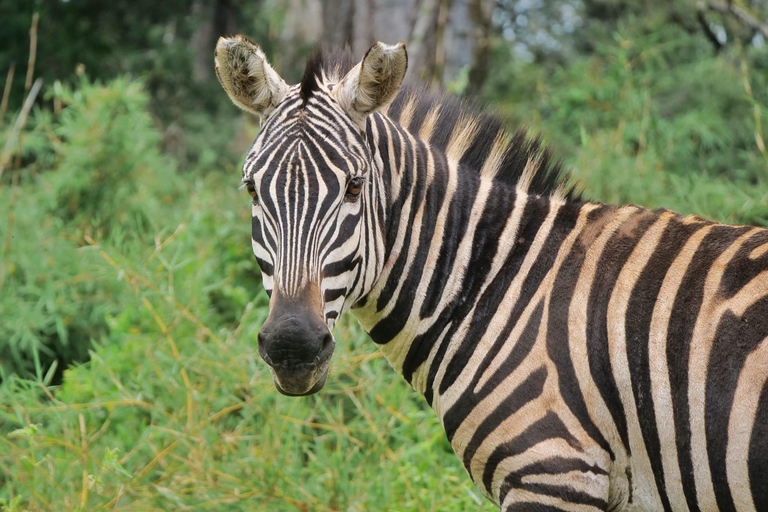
(580, 356)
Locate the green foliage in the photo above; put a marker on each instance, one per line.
(108, 183)
(198, 424)
(111, 175)
(156, 41)
(655, 118)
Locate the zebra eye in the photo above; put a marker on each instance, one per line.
(249, 185)
(354, 187)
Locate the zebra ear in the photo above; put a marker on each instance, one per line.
(373, 82)
(245, 74)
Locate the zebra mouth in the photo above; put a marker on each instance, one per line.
(294, 378)
(298, 381)
(301, 386)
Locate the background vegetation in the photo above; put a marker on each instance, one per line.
(129, 298)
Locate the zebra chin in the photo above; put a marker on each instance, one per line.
(302, 380)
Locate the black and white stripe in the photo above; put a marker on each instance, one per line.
(581, 356)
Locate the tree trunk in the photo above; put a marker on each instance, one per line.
(338, 16)
(216, 18)
(482, 13)
(443, 36)
(202, 41)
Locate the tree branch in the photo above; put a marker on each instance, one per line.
(708, 30)
(737, 12)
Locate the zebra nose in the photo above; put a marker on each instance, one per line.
(295, 340)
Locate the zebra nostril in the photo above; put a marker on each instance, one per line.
(262, 348)
(266, 358)
(326, 349)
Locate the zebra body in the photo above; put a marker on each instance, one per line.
(580, 356)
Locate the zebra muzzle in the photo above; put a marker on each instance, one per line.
(297, 345)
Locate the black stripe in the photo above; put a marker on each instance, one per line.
(638, 326)
(685, 312)
(482, 143)
(338, 267)
(558, 343)
(447, 120)
(432, 204)
(486, 239)
(736, 337)
(456, 222)
(562, 492)
(528, 506)
(413, 186)
(395, 108)
(742, 269)
(333, 294)
(456, 226)
(528, 391)
(612, 261)
(548, 427)
(420, 111)
(465, 404)
(534, 213)
(560, 465)
(389, 326)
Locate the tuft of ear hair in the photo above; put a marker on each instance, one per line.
(245, 74)
(373, 82)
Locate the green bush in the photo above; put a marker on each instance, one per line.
(654, 118)
(111, 175)
(81, 173)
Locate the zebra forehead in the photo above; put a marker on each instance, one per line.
(308, 150)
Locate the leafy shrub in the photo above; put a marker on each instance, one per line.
(93, 171)
(93, 182)
(654, 118)
(111, 174)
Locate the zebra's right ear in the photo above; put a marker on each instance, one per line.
(373, 82)
(245, 74)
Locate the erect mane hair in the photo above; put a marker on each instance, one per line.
(329, 63)
(483, 140)
(459, 125)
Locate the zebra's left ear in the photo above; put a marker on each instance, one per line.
(373, 82)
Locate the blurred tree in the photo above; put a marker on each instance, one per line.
(168, 43)
(646, 79)
(456, 43)
(446, 38)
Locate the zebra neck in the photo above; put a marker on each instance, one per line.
(451, 243)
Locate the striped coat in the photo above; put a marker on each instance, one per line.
(581, 356)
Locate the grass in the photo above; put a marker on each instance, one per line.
(175, 411)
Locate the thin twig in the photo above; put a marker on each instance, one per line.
(32, 51)
(20, 122)
(737, 12)
(7, 92)
(83, 461)
(4, 264)
(708, 32)
(755, 109)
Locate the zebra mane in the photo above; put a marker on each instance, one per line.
(479, 140)
(326, 63)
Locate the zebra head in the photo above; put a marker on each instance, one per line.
(317, 200)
